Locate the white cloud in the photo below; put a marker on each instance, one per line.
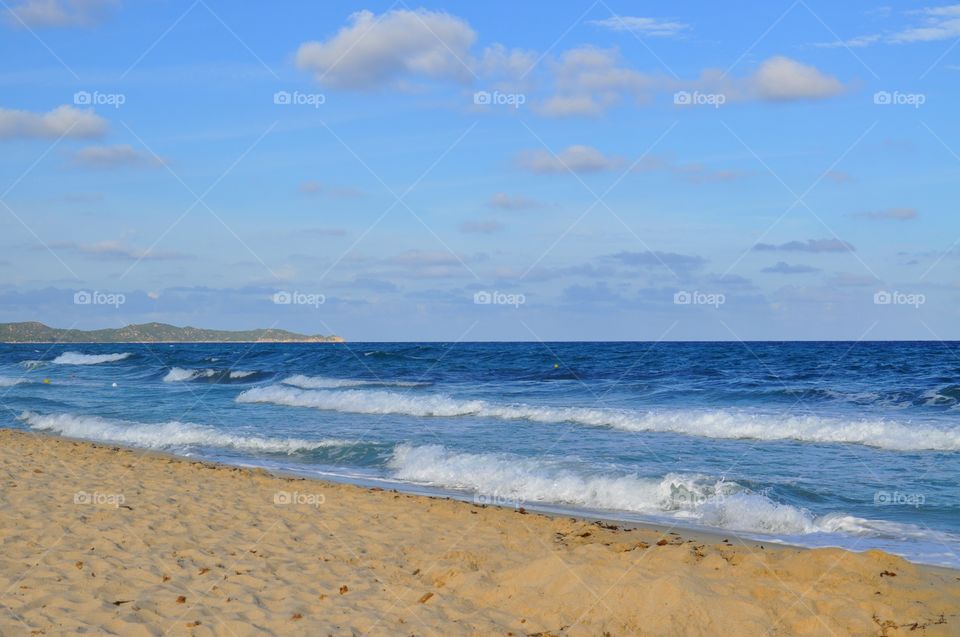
(939, 23)
(498, 61)
(890, 214)
(810, 245)
(517, 202)
(589, 80)
(654, 27)
(589, 68)
(782, 267)
(570, 106)
(693, 172)
(118, 250)
(404, 48)
(935, 24)
(372, 51)
(416, 258)
(63, 121)
(419, 264)
(576, 158)
(777, 79)
(116, 156)
(852, 280)
(58, 13)
(782, 79)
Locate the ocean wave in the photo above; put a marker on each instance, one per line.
(33, 364)
(77, 358)
(718, 423)
(6, 381)
(947, 396)
(324, 382)
(363, 401)
(852, 525)
(505, 479)
(509, 480)
(165, 435)
(180, 374)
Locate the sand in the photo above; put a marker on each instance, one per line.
(104, 540)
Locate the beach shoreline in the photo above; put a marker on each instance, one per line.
(120, 540)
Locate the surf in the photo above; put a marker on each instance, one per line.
(708, 423)
(165, 435)
(78, 358)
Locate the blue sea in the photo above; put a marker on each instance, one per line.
(819, 444)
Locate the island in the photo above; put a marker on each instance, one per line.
(35, 332)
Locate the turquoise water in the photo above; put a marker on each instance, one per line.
(840, 444)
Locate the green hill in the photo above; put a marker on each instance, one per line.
(34, 332)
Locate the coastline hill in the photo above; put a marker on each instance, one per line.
(34, 332)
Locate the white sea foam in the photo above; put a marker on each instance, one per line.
(691, 497)
(77, 358)
(717, 423)
(942, 397)
(164, 435)
(6, 381)
(363, 401)
(324, 382)
(694, 498)
(178, 374)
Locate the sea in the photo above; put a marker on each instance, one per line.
(855, 445)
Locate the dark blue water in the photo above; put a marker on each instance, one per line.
(854, 445)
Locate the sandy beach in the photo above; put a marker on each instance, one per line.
(97, 539)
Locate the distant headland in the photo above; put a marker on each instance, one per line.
(34, 332)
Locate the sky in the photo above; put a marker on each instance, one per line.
(468, 171)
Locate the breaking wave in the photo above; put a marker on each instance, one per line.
(77, 358)
(323, 382)
(717, 423)
(506, 479)
(165, 435)
(180, 374)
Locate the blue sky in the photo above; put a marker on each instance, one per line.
(593, 170)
